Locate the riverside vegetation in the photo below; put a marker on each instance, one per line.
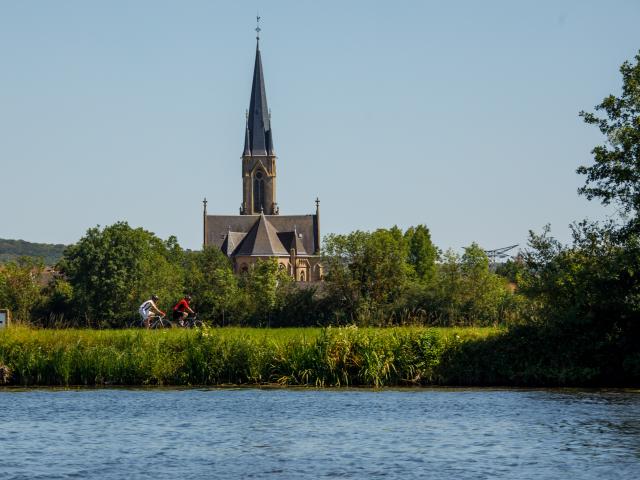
(565, 314)
(346, 356)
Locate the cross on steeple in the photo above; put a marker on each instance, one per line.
(258, 29)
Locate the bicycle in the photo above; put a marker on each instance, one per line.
(160, 321)
(191, 321)
(155, 322)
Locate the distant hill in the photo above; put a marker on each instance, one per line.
(12, 249)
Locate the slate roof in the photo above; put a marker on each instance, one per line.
(262, 240)
(293, 240)
(258, 138)
(231, 242)
(262, 235)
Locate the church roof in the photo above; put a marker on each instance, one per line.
(231, 242)
(258, 139)
(293, 240)
(262, 240)
(262, 234)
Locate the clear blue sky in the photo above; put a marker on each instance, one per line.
(459, 115)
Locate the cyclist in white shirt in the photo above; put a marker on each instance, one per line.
(149, 309)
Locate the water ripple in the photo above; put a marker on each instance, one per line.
(308, 434)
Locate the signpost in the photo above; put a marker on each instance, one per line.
(5, 317)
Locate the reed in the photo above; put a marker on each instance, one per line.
(329, 357)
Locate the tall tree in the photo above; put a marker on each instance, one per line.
(210, 278)
(422, 252)
(20, 289)
(112, 270)
(367, 269)
(614, 177)
(263, 287)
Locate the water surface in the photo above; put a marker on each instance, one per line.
(305, 434)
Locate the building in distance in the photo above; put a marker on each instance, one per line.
(259, 232)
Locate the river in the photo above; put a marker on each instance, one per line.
(309, 434)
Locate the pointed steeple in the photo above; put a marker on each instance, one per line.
(258, 158)
(259, 140)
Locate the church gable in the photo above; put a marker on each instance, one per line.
(261, 241)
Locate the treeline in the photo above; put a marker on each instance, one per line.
(12, 250)
(384, 277)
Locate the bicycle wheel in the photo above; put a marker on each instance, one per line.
(160, 323)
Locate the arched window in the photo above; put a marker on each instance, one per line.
(302, 276)
(258, 192)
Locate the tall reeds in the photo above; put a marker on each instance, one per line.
(328, 357)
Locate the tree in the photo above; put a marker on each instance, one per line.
(486, 292)
(20, 290)
(614, 178)
(114, 269)
(209, 277)
(367, 270)
(422, 252)
(264, 286)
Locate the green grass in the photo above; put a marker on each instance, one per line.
(230, 356)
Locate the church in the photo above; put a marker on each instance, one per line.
(259, 232)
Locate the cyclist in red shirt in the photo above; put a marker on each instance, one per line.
(181, 310)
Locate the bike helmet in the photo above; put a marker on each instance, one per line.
(154, 297)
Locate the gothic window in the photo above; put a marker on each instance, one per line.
(258, 192)
(302, 276)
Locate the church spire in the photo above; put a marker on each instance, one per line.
(259, 139)
(258, 157)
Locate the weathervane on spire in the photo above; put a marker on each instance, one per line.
(258, 27)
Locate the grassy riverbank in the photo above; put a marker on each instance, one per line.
(304, 356)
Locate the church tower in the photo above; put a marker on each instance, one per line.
(258, 158)
(260, 232)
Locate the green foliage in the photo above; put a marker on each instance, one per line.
(512, 269)
(423, 254)
(366, 270)
(588, 295)
(56, 309)
(12, 250)
(306, 306)
(330, 357)
(614, 177)
(385, 277)
(114, 269)
(592, 283)
(209, 278)
(466, 292)
(263, 287)
(316, 357)
(20, 288)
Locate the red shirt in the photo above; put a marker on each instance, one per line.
(181, 306)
